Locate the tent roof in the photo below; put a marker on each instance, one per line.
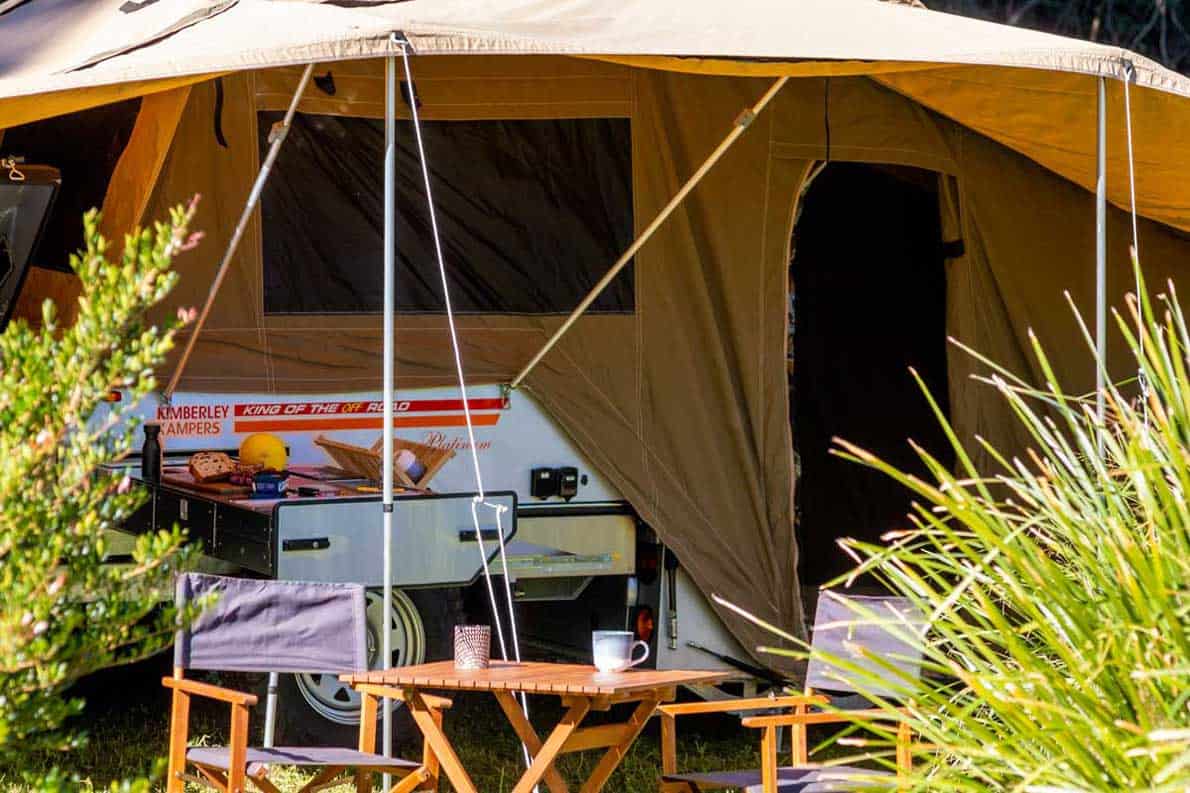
(51, 45)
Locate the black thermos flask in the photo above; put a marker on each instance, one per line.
(150, 454)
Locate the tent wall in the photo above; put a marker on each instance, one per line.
(1030, 237)
(1051, 119)
(139, 166)
(708, 330)
(682, 404)
(243, 349)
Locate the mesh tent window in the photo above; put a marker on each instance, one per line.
(532, 214)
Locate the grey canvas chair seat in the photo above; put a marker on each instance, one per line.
(219, 757)
(790, 779)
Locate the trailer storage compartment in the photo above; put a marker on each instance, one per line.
(433, 538)
(335, 536)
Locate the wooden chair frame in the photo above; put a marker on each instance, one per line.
(669, 714)
(423, 777)
(798, 719)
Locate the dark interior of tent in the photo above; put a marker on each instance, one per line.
(84, 147)
(868, 287)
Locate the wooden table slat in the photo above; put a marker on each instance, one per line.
(534, 678)
(581, 688)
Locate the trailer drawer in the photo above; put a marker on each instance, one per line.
(433, 539)
(195, 517)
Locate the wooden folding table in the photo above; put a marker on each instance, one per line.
(582, 690)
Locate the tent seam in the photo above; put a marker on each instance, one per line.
(638, 293)
(762, 317)
(256, 223)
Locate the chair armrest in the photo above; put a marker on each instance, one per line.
(375, 690)
(732, 705)
(834, 717)
(209, 691)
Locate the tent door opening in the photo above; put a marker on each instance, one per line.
(868, 286)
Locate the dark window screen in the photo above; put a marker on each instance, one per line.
(531, 215)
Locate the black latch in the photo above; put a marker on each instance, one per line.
(310, 544)
(468, 535)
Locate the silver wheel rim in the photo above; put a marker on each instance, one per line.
(337, 702)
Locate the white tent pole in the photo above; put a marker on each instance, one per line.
(742, 121)
(270, 709)
(390, 186)
(278, 136)
(1101, 255)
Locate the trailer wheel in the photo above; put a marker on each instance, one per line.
(316, 709)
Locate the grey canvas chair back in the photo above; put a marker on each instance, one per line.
(273, 626)
(862, 629)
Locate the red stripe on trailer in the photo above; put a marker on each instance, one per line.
(428, 405)
(261, 409)
(363, 423)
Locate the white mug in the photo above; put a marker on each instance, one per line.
(613, 650)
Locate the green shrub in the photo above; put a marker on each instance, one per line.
(63, 612)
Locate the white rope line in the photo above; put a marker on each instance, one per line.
(480, 498)
(450, 317)
(1129, 73)
(487, 573)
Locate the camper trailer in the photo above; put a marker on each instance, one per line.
(800, 201)
(576, 553)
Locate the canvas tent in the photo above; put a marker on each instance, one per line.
(680, 399)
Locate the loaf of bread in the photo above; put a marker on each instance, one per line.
(210, 466)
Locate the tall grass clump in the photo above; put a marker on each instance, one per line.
(1057, 588)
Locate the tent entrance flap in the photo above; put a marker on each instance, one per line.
(869, 302)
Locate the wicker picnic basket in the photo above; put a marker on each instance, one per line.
(365, 462)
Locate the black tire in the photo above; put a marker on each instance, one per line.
(441, 610)
(299, 723)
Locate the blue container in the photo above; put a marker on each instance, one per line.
(269, 484)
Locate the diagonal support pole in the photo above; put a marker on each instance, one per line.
(277, 138)
(742, 122)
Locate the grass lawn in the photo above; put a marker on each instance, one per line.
(127, 721)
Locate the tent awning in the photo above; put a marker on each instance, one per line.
(51, 45)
